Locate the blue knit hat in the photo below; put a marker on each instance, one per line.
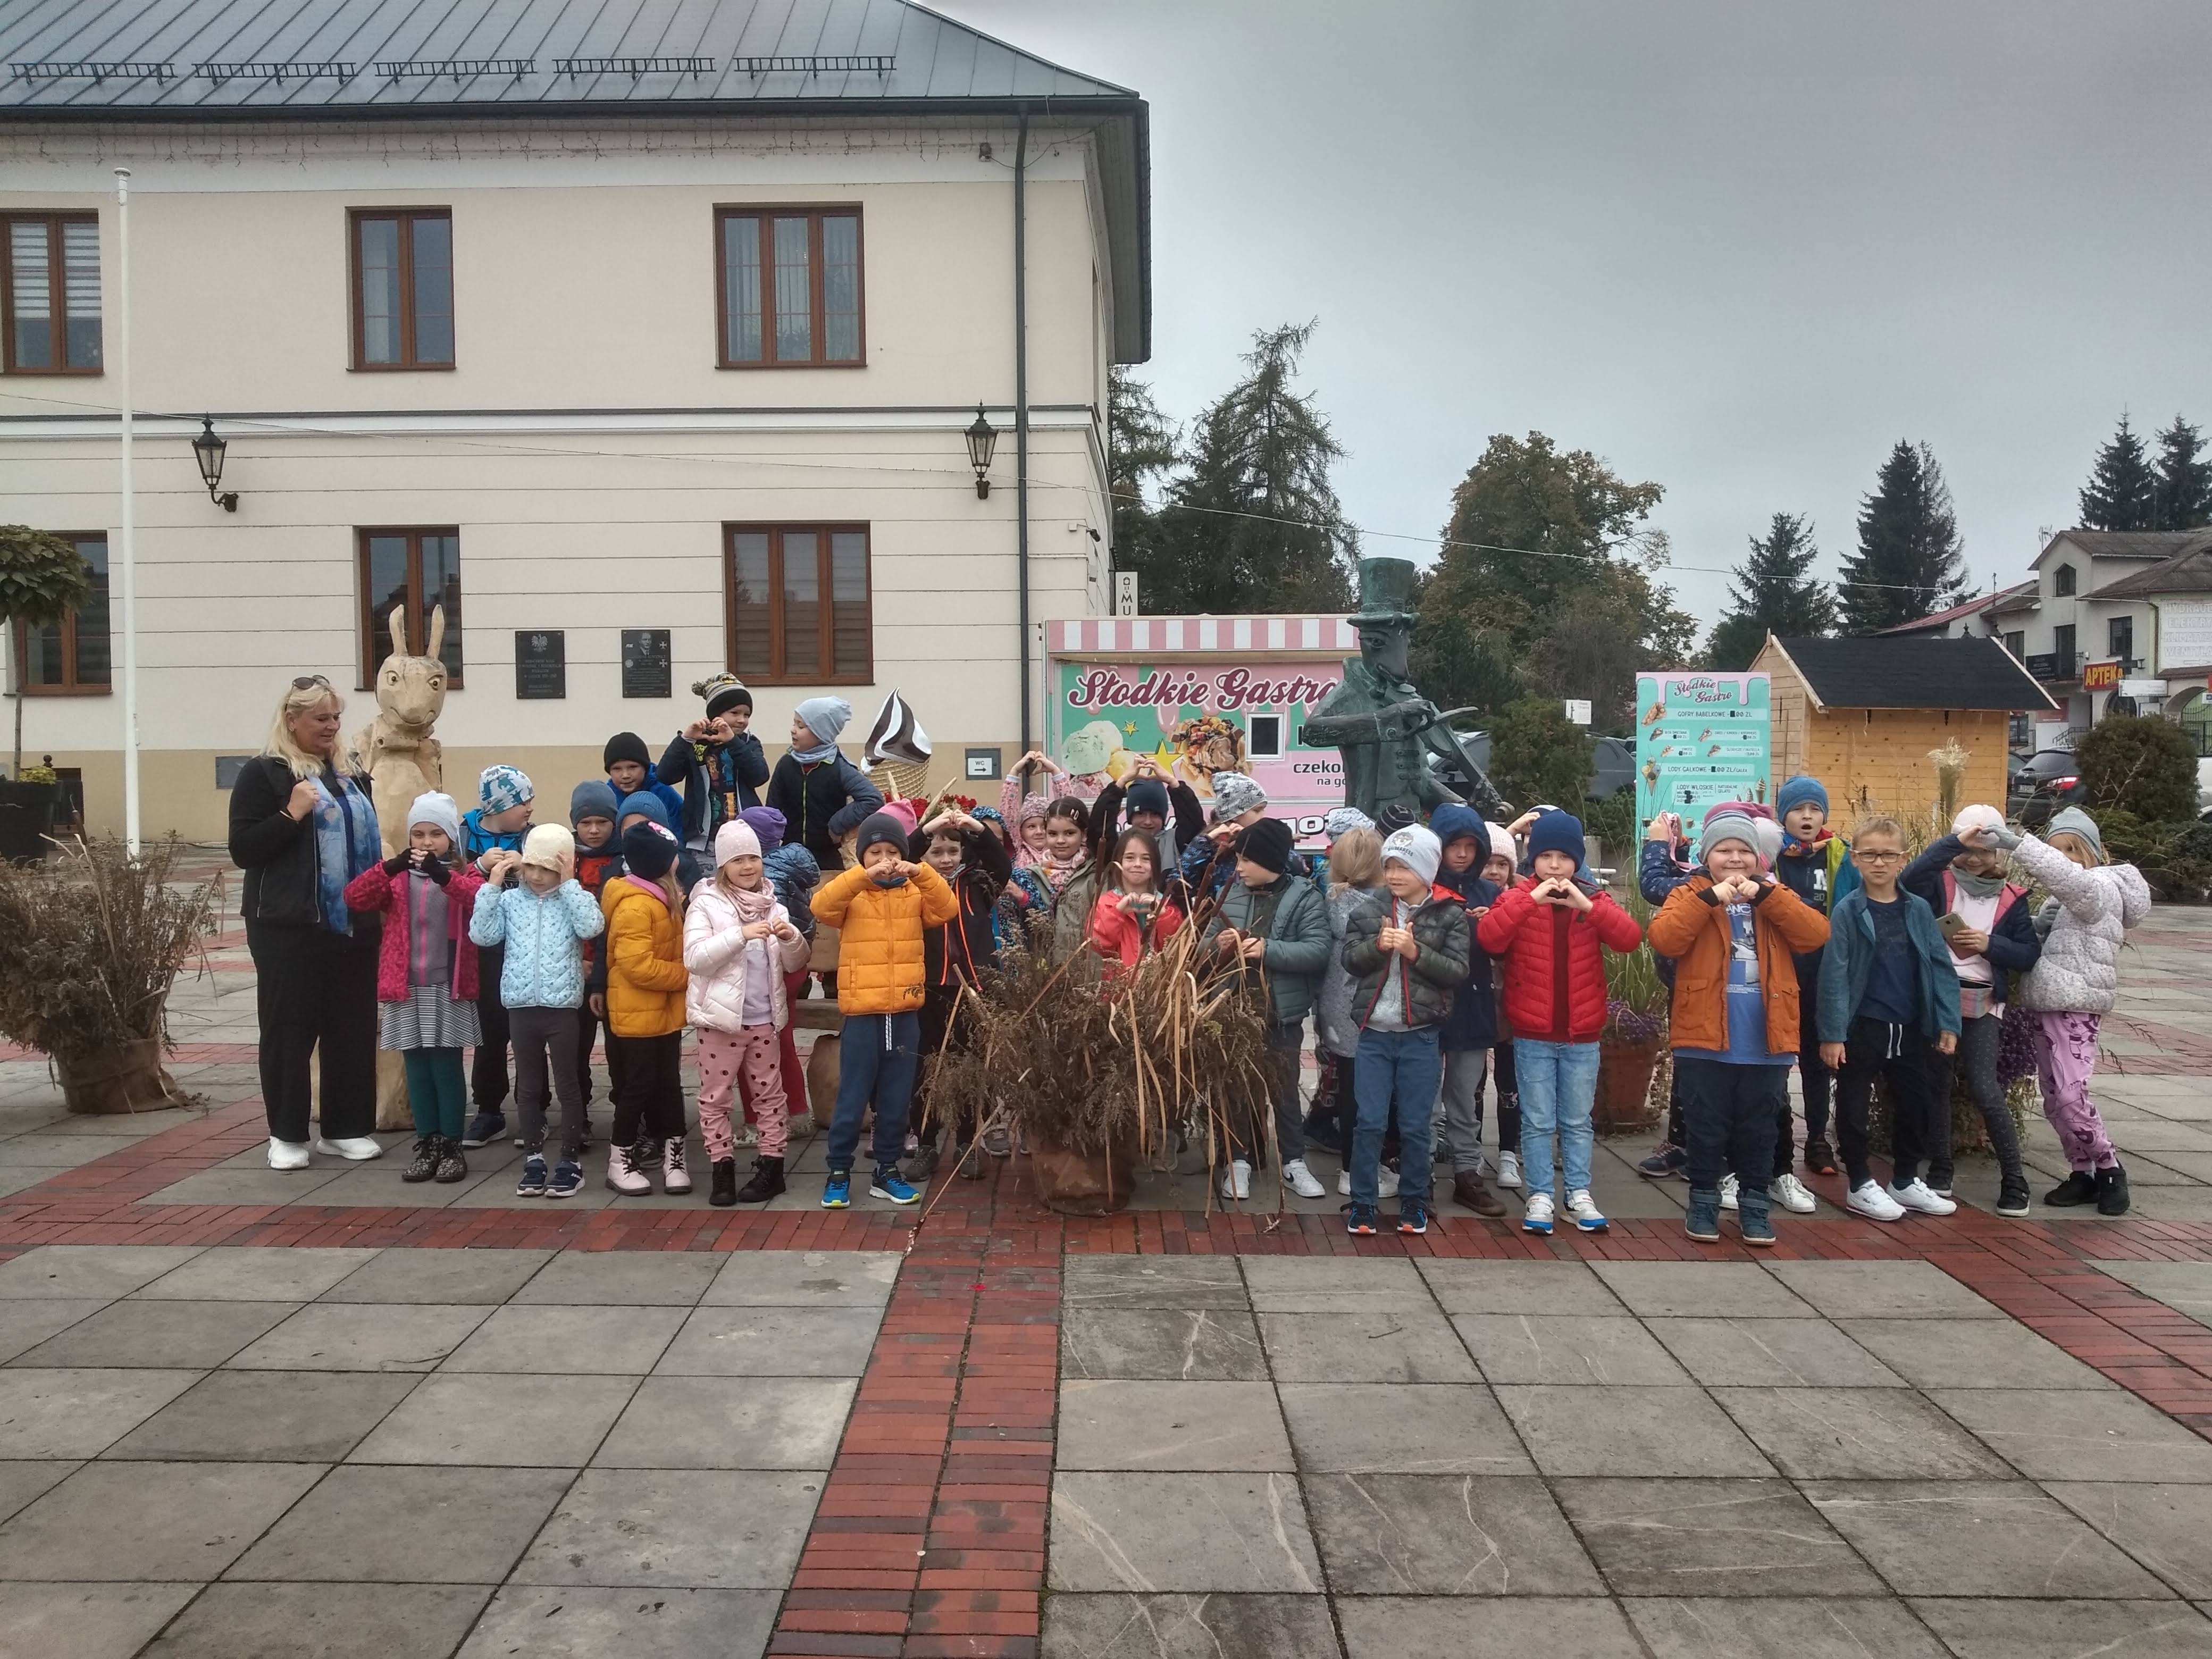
(1557, 832)
(591, 800)
(1798, 791)
(500, 787)
(643, 803)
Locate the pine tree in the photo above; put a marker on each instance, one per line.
(2120, 493)
(1255, 524)
(1908, 564)
(2184, 486)
(1776, 592)
(1140, 449)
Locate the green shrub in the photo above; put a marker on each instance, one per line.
(2140, 763)
(2175, 857)
(1536, 754)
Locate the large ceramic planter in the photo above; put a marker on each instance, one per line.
(1624, 1085)
(1083, 1183)
(27, 814)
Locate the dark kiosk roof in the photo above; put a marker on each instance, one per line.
(1908, 673)
(442, 60)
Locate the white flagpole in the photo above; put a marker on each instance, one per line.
(126, 564)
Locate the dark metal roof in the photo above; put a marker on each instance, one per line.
(1892, 672)
(2187, 572)
(1971, 607)
(119, 58)
(438, 60)
(2122, 543)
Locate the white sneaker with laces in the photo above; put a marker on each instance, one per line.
(1237, 1183)
(1537, 1218)
(1386, 1182)
(1583, 1209)
(1791, 1194)
(286, 1154)
(356, 1149)
(1299, 1180)
(1509, 1170)
(1915, 1195)
(1868, 1199)
(1728, 1189)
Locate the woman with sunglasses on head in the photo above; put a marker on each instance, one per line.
(302, 827)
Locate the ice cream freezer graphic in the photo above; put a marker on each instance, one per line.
(1701, 739)
(1200, 694)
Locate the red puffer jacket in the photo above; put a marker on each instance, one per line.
(1554, 977)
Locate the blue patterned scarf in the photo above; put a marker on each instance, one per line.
(347, 842)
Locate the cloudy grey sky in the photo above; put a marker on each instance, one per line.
(1740, 249)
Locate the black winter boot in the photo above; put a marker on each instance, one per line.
(724, 1190)
(425, 1163)
(2112, 1191)
(766, 1184)
(452, 1166)
(2079, 1187)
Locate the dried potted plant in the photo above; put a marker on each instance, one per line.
(1635, 1036)
(1099, 1076)
(42, 579)
(90, 943)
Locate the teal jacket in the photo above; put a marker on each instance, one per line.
(1849, 964)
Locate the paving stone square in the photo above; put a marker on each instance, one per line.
(1720, 1538)
(1977, 1538)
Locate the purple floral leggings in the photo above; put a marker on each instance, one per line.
(2065, 1060)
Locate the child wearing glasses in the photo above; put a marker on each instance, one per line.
(1889, 993)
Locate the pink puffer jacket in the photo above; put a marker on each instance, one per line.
(715, 958)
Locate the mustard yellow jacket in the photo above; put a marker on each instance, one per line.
(880, 966)
(645, 962)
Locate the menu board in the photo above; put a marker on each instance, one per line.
(1702, 739)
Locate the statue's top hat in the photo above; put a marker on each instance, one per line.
(1386, 594)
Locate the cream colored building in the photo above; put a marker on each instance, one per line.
(585, 337)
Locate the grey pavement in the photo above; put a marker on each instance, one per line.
(1697, 1460)
(359, 1452)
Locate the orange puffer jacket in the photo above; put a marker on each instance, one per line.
(645, 961)
(881, 964)
(1692, 928)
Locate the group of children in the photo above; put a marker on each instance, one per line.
(1790, 945)
(1429, 956)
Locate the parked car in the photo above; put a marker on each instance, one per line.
(2046, 780)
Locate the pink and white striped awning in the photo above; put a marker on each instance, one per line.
(1145, 635)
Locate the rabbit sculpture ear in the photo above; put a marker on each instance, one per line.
(437, 630)
(396, 620)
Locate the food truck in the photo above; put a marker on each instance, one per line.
(1200, 694)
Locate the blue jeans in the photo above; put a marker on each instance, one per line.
(877, 1055)
(1406, 1068)
(1559, 1082)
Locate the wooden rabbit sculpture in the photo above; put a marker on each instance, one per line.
(396, 748)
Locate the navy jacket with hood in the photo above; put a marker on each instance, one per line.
(1472, 1022)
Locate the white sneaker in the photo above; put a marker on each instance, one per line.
(1299, 1180)
(1791, 1194)
(356, 1149)
(1585, 1210)
(1868, 1199)
(1509, 1170)
(1344, 1181)
(286, 1154)
(1386, 1182)
(1728, 1189)
(1237, 1183)
(1538, 1217)
(1915, 1195)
